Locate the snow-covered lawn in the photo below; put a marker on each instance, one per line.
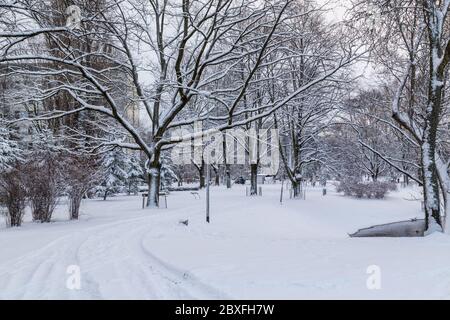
(254, 248)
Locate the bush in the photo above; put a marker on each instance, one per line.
(4, 213)
(359, 190)
(377, 190)
(44, 184)
(80, 175)
(13, 194)
(392, 186)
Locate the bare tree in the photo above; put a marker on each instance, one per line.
(187, 48)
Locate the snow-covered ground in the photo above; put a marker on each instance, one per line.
(254, 248)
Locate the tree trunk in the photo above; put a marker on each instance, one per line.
(254, 179)
(75, 203)
(296, 188)
(15, 212)
(154, 182)
(201, 174)
(217, 178)
(228, 176)
(431, 189)
(444, 182)
(216, 175)
(428, 147)
(105, 195)
(15, 220)
(226, 164)
(374, 177)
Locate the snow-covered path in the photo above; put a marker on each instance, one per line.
(254, 248)
(113, 262)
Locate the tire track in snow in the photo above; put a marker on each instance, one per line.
(42, 274)
(114, 263)
(136, 273)
(195, 288)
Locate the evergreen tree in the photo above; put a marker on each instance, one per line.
(135, 174)
(9, 150)
(115, 165)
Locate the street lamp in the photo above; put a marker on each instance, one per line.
(207, 173)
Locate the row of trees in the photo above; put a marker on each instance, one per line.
(412, 52)
(233, 63)
(138, 75)
(39, 172)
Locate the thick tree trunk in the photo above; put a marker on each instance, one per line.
(431, 189)
(375, 175)
(254, 179)
(201, 174)
(405, 180)
(15, 220)
(296, 187)
(228, 176)
(154, 182)
(105, 195)
(431, 186)
(216, 175)
(444, 182)
(75, 203)
(217, 179)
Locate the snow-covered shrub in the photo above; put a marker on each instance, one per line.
(80, 174)
(377, 189)
(9, 150)
(13, 194)
(359, 190)
(44, 184)
(347, 186)
(4, 214)
(392, 186)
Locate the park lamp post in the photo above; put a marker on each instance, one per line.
(207, 173)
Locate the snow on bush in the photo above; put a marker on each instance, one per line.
(374, 189)
(81, 174)
(9, 151)
(13, 194)
(4, 214)
(44, 183)
(122, 173)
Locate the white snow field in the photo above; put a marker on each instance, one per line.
(254, 248)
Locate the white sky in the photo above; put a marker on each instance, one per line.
(336, 12)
